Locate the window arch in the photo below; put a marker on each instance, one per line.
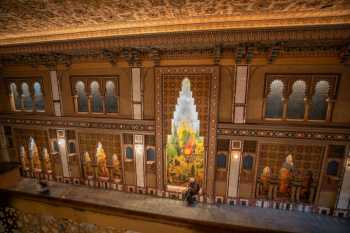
(55, 146)
(82, 97)
(274, 100)
(332, 168)
(38, 97)
(26, 97)
(221, 161)
(111, 99)
(296, 103)
(16, 100)
(151, 154)
(248, 162)
(72, 148)
(129, 153)
(97, 104)
(319, 105)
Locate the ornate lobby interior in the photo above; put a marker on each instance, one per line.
(116, 105)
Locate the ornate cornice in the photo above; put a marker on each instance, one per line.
(315, 133)
(284, 132)
(188, 39)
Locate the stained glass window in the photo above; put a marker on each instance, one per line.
(71, 147)
(274, 102)
(221, 161)
(129, 153)
(248, 162)
(82, 98)
(151, 155)
(97, 104)
(296, 104)
(332, 168)
(55, 146)
(38, 97)
(26, 97)
(111, 99)
(318, 107)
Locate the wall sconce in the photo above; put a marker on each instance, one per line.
(236, 154)
(61, 141)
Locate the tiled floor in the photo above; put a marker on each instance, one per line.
(271, 219)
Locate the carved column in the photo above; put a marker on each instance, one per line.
(136, 93)
(4, 154)
(240, 97)
(56, 94)
(343, 199)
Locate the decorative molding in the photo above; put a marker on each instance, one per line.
(264, 131)
(140, 126)
(188, 39)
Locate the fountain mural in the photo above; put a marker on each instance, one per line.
(185, 147)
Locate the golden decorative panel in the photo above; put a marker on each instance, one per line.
(40, 137)
(305, 158)
(111, 144)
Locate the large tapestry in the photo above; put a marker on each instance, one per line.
(185, 142)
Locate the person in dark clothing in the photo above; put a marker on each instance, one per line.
(192, 190)
(43, 187)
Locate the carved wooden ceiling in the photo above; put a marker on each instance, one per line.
(28, 21)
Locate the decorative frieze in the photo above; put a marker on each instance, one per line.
(139, 126)
(328, 134)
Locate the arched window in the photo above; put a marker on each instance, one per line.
(38, 98)
(82, 97)
(26, 97)
(248, 162)
(97, 105)
(274, 101)
(111, 99)
(151, 154)
(318, 108)
(15, 96)
(72, 148)
(332, 168)
(296, 106)
(129, 153)
(221, 161)
(55, 146)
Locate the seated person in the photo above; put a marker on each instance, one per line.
(43, 187)
(192, 190)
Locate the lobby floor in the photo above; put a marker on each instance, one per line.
(240, 217)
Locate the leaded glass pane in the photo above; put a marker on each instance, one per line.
(39, 99)
(274, 101)
(96, 97)
(82, 98)
(296, 104)
(111, 99)
(129, 153)
(151, 154)
(26, 97)
(221, 161)
(318, 108)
